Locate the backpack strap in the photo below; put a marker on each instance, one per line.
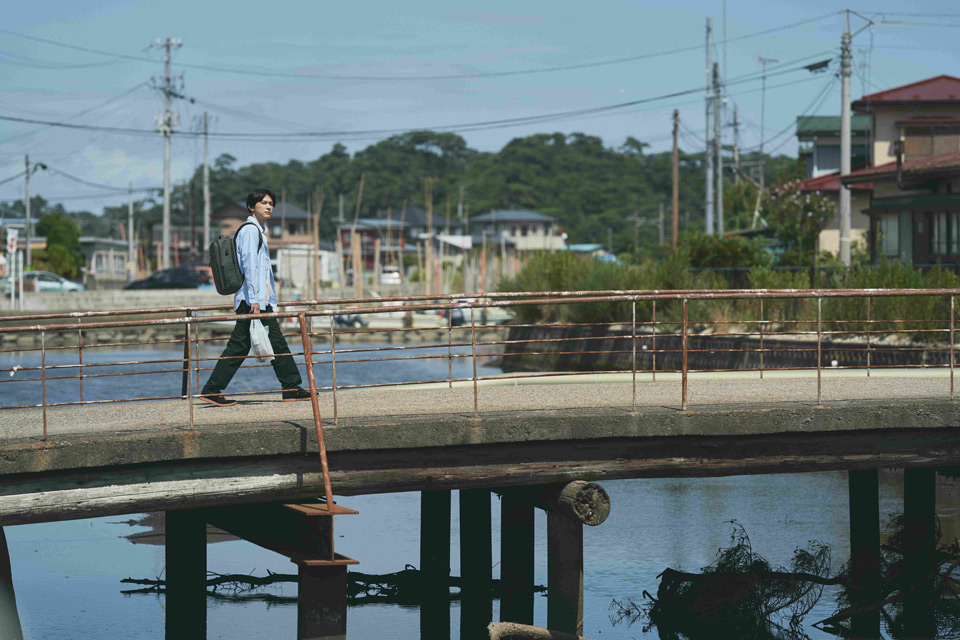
(259, 235)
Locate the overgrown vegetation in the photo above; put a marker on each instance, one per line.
(588, 187)
(740, 594)
(563, 271)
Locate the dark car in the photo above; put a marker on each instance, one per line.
(176, 278)
(349, 320)
(455, 315)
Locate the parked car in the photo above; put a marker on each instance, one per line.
(456, 316)
(390, 276)
(349, 320)
(176, 278)
(42, 281)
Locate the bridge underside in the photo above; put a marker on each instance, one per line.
(264, 456)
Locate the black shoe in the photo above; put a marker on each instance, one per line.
(291, 395)
(217, 399)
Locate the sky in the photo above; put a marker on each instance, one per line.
(313, 73)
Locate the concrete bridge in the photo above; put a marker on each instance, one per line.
(122, 458)
(236, 466)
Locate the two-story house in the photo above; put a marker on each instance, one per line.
(819, 138)
(914, 207)
(526, 230)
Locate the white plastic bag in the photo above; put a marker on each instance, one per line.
(262, 348)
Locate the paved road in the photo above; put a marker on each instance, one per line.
(525, 397)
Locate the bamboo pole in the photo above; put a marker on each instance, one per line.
(316, 244)
(400, 245)
(376, 264)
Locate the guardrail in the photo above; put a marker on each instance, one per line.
(315, 321)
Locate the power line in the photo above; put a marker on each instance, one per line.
(12, 178)
(97, 185)
(75, 115)
(459, 76)
(463, 127)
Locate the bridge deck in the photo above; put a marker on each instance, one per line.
(438, 402)
(122, 458)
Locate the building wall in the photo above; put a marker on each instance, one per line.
(859, 224)
(886, 130)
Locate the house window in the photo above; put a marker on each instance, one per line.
(945, 233)
(118, 264)
(931, 141)
(888, 235)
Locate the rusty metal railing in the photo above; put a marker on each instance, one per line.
(681, 332)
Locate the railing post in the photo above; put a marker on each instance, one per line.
(80, 356)
(43, 371)
(186, 357)
(654, 341)
(761, 338)
(473, 344)
(952, 302)
(333, 372)
(188, 372)
(869, 333)
(450, 348)
(633, 351)
(683, 405)
(819, 336)
(308, 360)
(196, 353)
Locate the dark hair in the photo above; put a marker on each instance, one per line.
(257, 195)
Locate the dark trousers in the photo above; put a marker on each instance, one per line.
(239, 345)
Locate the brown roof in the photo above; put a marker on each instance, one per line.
(940, 89)
(830, 182)
(946, 163)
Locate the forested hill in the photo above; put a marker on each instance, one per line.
(589, 188)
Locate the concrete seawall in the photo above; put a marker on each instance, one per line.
(610, 349)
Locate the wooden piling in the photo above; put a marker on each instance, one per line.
(322, 602)
(564, 574)
(864, 548)
(9, 617)
(435, 565)
(435, 538)
(186, 573)
(516, 556)
(476, 563)
(919, 546)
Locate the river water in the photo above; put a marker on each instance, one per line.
(67, 575)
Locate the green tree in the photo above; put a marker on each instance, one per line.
(798, 217)
(63, 243)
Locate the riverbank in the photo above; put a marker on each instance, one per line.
(610, 348)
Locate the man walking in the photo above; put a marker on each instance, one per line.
(258, 293)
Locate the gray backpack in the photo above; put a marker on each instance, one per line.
(227, 275)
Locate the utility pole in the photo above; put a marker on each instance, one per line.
(27, 204)
(340, 209)
(718, 145)
(131, 254)
(206, 192)
(675, 199)
(167, 124)
(736, 147)
(763, 132)
(845, 143)
(636, 235)
(661, 223)
(708, 152)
